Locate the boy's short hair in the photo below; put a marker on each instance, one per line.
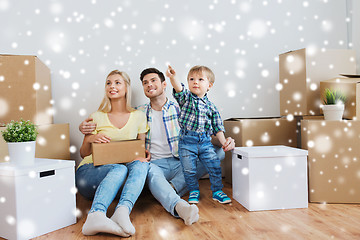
(203, 69)
(152, 70)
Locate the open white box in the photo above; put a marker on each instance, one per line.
(36, 199)
(270, 177)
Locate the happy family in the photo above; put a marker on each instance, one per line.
(178, 148)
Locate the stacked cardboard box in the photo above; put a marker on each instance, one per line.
(258, 132)
(300, 73)
(331, 145)
(25, 93)
(52, 142)
(333, 160)
(350, 87)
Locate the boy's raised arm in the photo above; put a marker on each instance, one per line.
(170, 73)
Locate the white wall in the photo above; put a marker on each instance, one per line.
(81, 41)
(355, 29)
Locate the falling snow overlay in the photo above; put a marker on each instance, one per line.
(240, 40)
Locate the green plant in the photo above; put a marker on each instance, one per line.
(22, 131)
(333, 97)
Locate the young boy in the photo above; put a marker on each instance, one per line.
(198, 120)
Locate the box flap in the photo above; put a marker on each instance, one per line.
(291, 51)
(341, 80)
(350, 75)
(40, 165)
(269, 151)
(253, 118)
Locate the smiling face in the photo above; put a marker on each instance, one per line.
(153, 87)
(115, 87)
(199, 83)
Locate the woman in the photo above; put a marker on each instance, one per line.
(115, 121)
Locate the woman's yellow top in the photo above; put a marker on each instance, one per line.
(137, 123)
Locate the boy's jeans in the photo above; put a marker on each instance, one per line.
(88, 179)
(164, 171)
(194, 146)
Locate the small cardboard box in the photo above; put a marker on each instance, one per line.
(270, 177)
(37, 199)
(334, 166)
(53, 141)
(350, 87)
(117, 152)
(25, 90)
(300, 73)
(258, 132)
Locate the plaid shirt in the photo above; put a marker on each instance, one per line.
(198, 114)
(170, 118)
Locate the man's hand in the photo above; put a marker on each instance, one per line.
(87, 127)
(229, 144)
(146, 159)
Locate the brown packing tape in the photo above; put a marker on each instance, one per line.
(117, 152)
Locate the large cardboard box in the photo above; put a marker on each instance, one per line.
(36, 199)
(117, 152)
(271, 177)
(53, 141)
(298, 125)
(300, 73)
(333, 160)
(258, 132)
(350, 87)
(25, 90)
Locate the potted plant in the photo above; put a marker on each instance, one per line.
(21, 139)
(334, 104)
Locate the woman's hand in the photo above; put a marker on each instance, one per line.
(86, 148)
(87, 127)
(99, 138)
(229, 144)
(144, 159)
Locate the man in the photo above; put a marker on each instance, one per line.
(165, 177)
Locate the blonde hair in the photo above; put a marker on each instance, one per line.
(202, 69)
(105, 105)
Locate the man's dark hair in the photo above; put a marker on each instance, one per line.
(152, 70)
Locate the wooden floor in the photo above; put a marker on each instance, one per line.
(319, 221)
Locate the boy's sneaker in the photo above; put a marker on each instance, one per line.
(221, 197)
(194, 196)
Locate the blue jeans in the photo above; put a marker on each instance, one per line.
(195, 146)
(164, 171)
(106, 180)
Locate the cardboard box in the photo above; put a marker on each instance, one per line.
(25, 90)
(53, 141)
(300, 73)
(270, 177)
(258, 132)
(298, 125)
(334, 166)
(38, 199)
(117, 152)
(350, 87)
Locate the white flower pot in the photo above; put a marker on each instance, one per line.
(22, 153)
(333, 112)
